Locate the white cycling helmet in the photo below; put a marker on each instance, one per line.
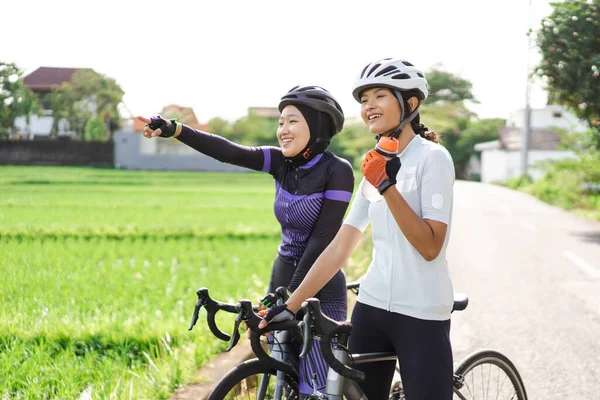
(391, 73)
(397, 75)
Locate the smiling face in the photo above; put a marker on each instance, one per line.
(380, 110)
(293, 133)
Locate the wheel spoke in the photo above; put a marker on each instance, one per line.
(489, 375)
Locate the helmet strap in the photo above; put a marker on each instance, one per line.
(403, 121)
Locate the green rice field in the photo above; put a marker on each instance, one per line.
(99, 269)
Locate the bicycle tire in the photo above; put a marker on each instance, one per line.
(478, 360)
(238, 383)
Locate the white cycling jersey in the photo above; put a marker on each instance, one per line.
(399, 279)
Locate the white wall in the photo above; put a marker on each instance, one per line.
(548, 117)
(40, 126)
(501, 165)
(133, 151)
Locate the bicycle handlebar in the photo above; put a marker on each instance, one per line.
(212, 307)
(247, 314)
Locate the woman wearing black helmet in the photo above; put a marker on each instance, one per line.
(406, 295)
(313, 189)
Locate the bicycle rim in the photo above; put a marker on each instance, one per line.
(253, 380)
(488, 375)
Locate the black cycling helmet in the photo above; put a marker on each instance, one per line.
(318, 99)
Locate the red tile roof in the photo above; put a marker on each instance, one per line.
(43, 78)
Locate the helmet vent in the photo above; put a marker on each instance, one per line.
(373, 69)
(401, 76)
(407, 64)
(387, 69)
(363, 71)
(420, 74)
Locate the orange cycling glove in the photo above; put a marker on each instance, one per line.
(380, 171)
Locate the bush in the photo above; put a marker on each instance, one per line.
(95, 130)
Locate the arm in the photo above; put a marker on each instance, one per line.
(426, 234)
(326, 266)
(256, 158)
(219, 148)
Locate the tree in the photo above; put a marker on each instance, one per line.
(220, 126)
(254, 130)
(448, 120)
(60, 101)
(88, 95)
(569, 42)
(95, 129)
(445, 86)
(104, 92)
(16, 99)
(352, 142)
(445, 113)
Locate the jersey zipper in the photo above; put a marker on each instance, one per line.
(296, 191)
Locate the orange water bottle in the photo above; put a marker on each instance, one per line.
(388, 148)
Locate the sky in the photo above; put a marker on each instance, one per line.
(221, 57)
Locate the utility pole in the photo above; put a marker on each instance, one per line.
(527, 113)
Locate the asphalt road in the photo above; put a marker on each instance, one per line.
(532, 274)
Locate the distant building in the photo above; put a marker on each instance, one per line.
(501, 159)
(41, 82)
(266, 112)
(186, 116)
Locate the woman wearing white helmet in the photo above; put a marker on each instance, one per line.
(313, 188)
(406, 295)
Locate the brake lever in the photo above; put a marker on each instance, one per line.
(202, 294)
(306, 335)
(282, 294)
(235, 335)
(195, 315)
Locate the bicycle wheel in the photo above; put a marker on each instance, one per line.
(251, 377)
(488, 374)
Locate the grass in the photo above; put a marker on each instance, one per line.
(562, 187)
(99, 268)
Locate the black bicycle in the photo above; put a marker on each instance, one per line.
(485, 374)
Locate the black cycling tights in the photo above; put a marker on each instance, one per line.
(423, 349)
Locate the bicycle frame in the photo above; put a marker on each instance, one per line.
(339, 386)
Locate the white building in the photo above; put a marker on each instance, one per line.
(501, 159)
(551, 116)
(41, 82)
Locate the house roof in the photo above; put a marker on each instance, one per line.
(44, 78)
(491, 145)
(511, 138)
(185, 115)
(265, 112)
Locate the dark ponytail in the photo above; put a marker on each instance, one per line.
(416, 124)
(424, 131)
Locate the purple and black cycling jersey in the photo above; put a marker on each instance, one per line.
(310, 199)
